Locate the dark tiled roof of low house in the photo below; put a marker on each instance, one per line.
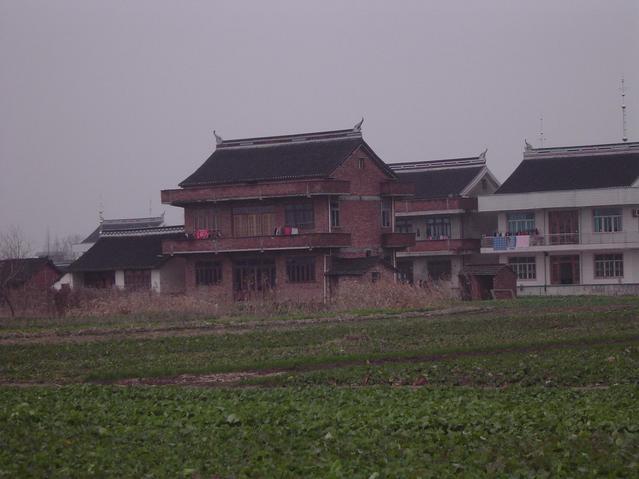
(112, 253)
(439, 178)
(124, 224)
(357, 266)
(484, 269)
(18, 271)
(310, 155)
(575, 168)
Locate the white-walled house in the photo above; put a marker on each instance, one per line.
(131, 259)
(443, 216)
(568, 220)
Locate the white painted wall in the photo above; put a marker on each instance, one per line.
(119, 279)
(67, 278)
(587, 271)
(560, 199)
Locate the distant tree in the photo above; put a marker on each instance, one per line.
(13, 245)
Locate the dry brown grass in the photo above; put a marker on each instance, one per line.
(210, 304)
(392, 295)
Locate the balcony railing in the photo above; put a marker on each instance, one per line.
(257, 243)
(184, 196)
(398, 240)
(526, 242)
(454, 246)
(441, 204)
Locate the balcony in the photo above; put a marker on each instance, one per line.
(435, 206)
(183, 196)
(560, 242)
(397, 188)
(442, 246)
(257, 243)
(398, 240)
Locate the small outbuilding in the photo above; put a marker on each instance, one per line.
(487, 281)
(131, 260)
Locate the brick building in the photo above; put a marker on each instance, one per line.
(283, 215)
(443, 216)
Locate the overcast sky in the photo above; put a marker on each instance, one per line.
(113, 101)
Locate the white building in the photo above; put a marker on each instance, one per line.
(130, 259)
(568, 220)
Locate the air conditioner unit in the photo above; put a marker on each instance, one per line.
(635, 212)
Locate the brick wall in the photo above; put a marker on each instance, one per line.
(362, 216)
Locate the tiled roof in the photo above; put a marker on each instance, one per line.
(124, 252)
(575, 168)
(356, 266)
(124, 224)
(309, 155)
(440, 183)
(18, 271)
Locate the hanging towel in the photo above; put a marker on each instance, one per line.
(523, 241)
(499, 243)
(511, 242)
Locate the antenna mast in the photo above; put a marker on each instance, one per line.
(623, 111)
(541, 131)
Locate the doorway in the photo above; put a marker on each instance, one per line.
(563, 227)
(564, 269)
(252, 276)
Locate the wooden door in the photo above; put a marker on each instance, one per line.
(564, 227)
(564, 269)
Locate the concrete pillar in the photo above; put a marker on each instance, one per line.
(119, 279)
(155, 280)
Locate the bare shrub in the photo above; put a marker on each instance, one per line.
(390, 294)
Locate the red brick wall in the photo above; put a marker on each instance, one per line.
(362, 217)
(284, 291)
(43, 279)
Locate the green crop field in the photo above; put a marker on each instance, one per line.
(526, 388)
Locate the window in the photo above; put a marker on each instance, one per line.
(300, 215)
(253, 221)
(438, 228)
(607, 220)
(208, 273)
(521, 222)
(608, 265)
(205, 219)
(386, 213)
(360, 163)
(334, 212)
(524, 266)
(254, 275)
(300, 270)
(403, 225)
(137, 279)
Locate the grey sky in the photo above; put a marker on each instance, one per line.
(118, 99)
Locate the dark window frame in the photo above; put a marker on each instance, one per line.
(334, 209)
(208, 273)
(300, 215)
(301, 269)
(386, 213)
